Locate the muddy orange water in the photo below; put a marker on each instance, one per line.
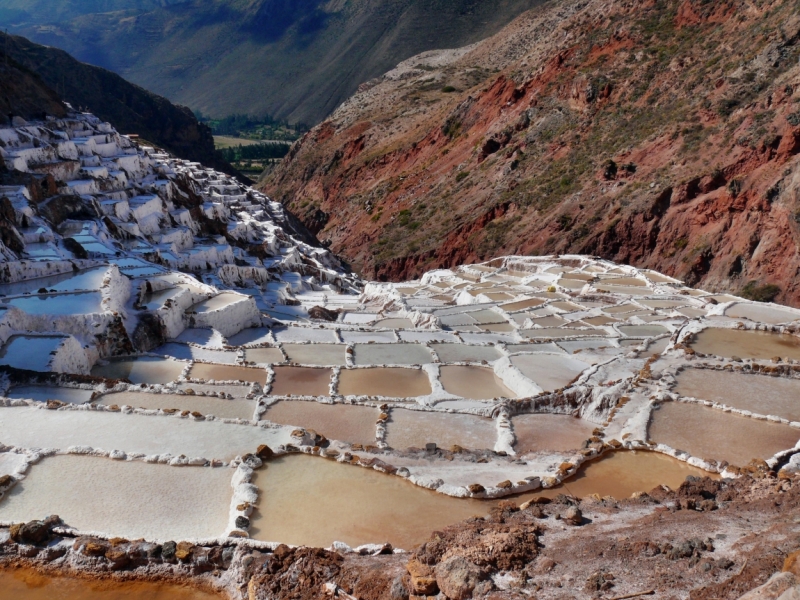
(747, 344)
(24, 584)
(314, 501)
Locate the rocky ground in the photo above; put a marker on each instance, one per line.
(708, 539)
(661, 134)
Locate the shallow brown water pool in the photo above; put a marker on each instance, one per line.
(24, 584)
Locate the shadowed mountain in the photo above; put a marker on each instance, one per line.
(293, 59)
(130, 108)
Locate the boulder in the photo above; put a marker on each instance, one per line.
(423, 580)
(168, 551)
(183, 551)
(573, 516)
(457, 577)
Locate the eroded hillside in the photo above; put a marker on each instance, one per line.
(663, 134)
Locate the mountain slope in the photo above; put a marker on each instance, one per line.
(663, 134)
(25, 95)
(128, 107)
(296, 60)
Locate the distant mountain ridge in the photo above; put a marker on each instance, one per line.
(128, 107)
(293, 59)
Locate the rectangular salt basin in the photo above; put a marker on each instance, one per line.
(43, 393)
(760, 394)
(474, 383)
(395, 324)
(547, 432)
(557, 333)
(415, 428)
(30, 427)
(746, 344)
(365, 337)
(124, 499)
(383, 381)
(427, 336)
(253, 335)
(217, 302)
(463, 353)
(264, 356)
(90, 279)
(187, 352)
(145, 369)
(391, 354)
(544, 347)
(713, 434)
(205, 405)
(549, 371)
(343, 422)
(522, 304)
(369, 507)
(764, 313)
(323, 355)
(304, 334)
(642, 330)
(63, 304)
(30, 352)
(228, 373)
(301, 381)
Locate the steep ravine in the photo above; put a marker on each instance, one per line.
(661, 134)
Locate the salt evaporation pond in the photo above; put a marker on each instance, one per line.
(90, 279)
(29, 427)
(187, 352)
(227, 373)
(549, 371)
(463, 353)
(323, 355)
(23, 584)
(360, 505)
(62, 304)
(642, 330)
(391, 354)
(43, 393)
(384, 381)
(475, 383)
(395, 324)
(301, 381)
(343, 422)
(713, 434)
(264, 356)
(145, 369)
(623, 473)
(414, 429)
(30, 352)
(206, 405)
(760, 394)
(124, 498)
(216, 303)
(746, 343)
(393, 510)
(549, 432)
(765, 313)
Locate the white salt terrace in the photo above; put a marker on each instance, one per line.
(475, 382)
